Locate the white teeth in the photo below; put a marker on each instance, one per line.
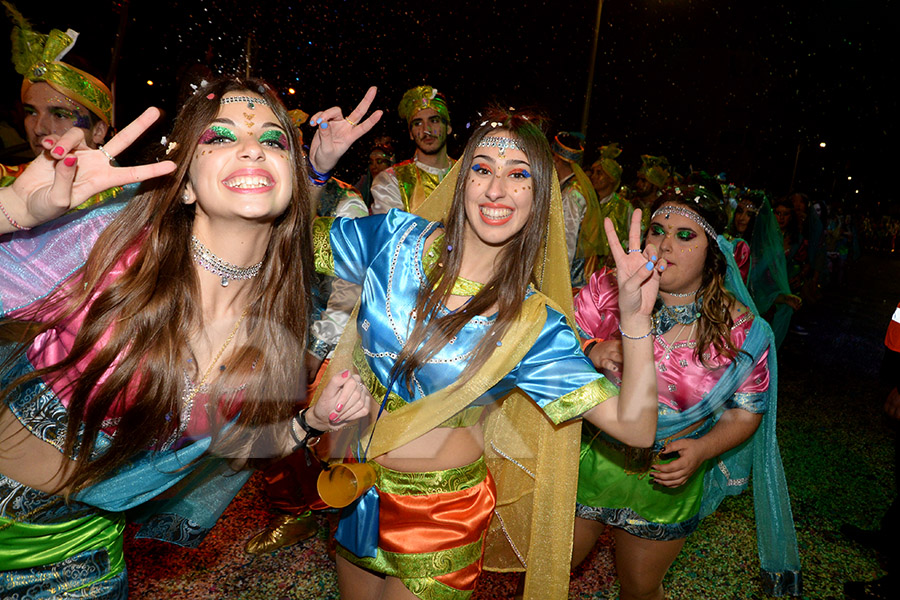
(248, 182)
(495, 213)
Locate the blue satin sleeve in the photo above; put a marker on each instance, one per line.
(558, 376)
(356, 243)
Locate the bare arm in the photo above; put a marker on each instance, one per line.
(735, 427)
(631, 416)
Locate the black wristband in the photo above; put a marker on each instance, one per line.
(311, 432)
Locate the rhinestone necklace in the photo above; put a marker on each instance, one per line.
(204, 257)
(665, 317)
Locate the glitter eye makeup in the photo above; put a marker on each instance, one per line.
(520, 174)
(275, 138)
(482, 169)
(657, 229)
(685, 235)
(62, 113)
(217, 134)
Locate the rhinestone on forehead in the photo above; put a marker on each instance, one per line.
(669, 209)
(251, 102)
(501, 143)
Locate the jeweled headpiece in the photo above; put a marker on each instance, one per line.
(500, 143)
(569, 146)
(250, 100)
(656, 169)
(420, 98)
(670, 209)
(38, 58)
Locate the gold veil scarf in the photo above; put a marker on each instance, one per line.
(534, 462)
(590, 236)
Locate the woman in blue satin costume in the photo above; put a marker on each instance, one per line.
(443, 300)
(156, 363)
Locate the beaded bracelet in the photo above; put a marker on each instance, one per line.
(12, 221)
(318, 179)
(625, 335)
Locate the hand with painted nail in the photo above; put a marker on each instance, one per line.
(343, 400)
(335, 133)
(637, 272)
(69, 172)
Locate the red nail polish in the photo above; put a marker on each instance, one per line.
(59, 151)
(339, 407)
(345, 374)
(70, 161)
(333, 416)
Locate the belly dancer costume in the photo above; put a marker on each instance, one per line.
(614, 486)
(50, 548)
(428, 529)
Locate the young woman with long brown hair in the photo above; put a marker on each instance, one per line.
(462, 305)
(168, 335)
(717, 379)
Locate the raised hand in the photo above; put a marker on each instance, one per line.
(69, 172)
(637, 271)
(335, 133)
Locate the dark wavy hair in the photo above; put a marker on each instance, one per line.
(506, 289)
(715, 321)
(131, 349)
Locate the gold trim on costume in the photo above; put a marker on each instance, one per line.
(580, 401)
(404, 483)
(322, 254)
(420, 565)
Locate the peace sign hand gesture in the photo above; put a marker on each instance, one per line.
(336, 133)
(69, 172)
(637, 271)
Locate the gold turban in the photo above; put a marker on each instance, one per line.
(37, 58)
(420, 98)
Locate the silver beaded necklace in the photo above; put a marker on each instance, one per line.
(228, 272)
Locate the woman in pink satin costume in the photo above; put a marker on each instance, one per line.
(157, 362)
(713, 374)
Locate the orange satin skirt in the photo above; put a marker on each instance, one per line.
(431, 529)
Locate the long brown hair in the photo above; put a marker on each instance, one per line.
(133, 343)
(506, 289)
(715, 321)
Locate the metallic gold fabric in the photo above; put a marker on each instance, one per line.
(420, 98)
(37, 58)
(324, 259)
(415, 185)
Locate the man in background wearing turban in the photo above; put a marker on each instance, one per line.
(55, 95)
(580, 208)
(606, 177)
(653, 176)
(407, 184)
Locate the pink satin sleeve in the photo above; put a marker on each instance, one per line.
(597, 305)
(742, 258)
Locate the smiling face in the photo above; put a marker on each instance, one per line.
(683, 244)
(242, 164)
(498, 195)
(48, 112)
(429, 131)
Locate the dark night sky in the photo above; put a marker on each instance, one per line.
(722, 88)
